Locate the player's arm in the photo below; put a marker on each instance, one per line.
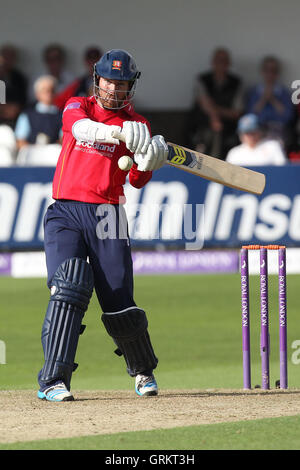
(77, 121)
(91, 131)
(137, 137)
(138, 179)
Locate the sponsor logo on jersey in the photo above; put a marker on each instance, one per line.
(74, 105)
(105, 149)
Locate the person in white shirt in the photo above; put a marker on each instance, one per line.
(255, 150)
(38, 128)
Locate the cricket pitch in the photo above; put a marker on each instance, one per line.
(25, 418)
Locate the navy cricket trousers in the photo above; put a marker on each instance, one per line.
(97, 232)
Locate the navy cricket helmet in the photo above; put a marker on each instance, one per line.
(117, 64)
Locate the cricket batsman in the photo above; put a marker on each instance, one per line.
(86, 237)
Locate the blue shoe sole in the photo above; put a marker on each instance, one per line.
(151, 393)
(42, 396)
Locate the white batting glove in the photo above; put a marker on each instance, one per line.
(137, 136)
(155, 157)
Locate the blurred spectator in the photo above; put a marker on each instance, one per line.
(8, 147)
(15, 85)
(41, 123)
(271, 102)
(255, 148)
(82, 86)
(55, 60)
(212, 122)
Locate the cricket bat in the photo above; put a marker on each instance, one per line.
(213, 169)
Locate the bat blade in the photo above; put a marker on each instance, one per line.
(214, 169)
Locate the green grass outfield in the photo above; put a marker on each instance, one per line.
(267, 434)
(195, 325)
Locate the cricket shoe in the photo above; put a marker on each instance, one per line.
(57, 392)
(145, 385)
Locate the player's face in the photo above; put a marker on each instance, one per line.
(112, 93)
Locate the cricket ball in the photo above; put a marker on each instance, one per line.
(125, 163)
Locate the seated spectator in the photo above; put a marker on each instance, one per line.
(54, 57)
(15, 86)
(8, 147)
(271, 102)
(212, 122)
(82, 86)
(41, 123)
(255, 149)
